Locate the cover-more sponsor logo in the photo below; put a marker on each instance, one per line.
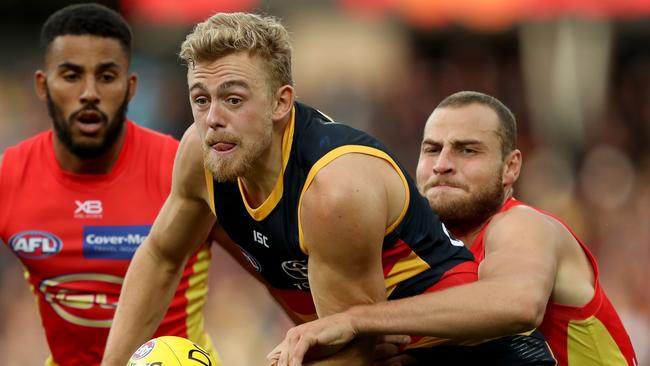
(35, 244)
(85, 299)
(89, 209)
(113, 242)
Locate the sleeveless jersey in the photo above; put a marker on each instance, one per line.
(76, 233)
(417, 251)
(589, 335)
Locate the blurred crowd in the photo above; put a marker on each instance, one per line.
(580, 91)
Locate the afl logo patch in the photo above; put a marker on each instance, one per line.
(35, 244)
(144, 350)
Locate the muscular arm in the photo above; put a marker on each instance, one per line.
(344, 219)
(515, 282)
(153, 275)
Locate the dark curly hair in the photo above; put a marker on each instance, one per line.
(86, 19)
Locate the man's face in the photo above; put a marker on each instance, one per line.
(460, 170)
(87, 87)
(232, 106)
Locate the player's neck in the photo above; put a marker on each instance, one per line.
(101, 164)
(467, 234)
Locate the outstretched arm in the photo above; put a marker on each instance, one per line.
(515, 282)
(153, 275)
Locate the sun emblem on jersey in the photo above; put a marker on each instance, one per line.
(84, 299)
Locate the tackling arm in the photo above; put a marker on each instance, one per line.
(515, 282)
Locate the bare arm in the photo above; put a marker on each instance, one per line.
(344, 219)
(153, 275)
(515, 282)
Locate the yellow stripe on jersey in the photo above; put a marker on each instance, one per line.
(585, 336)
(347, 149)
(405, 268)
(260, 213)
(50, 361)
(209, 182)
(196, 298)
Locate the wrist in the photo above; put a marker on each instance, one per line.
(357, 320)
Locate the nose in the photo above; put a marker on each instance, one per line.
(443, 163)
(213, 118)
(90, 94)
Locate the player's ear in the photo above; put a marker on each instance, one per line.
(133, 83)
(40, 84)
(282, 102)
(511, 167)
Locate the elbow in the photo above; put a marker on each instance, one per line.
(527, 314)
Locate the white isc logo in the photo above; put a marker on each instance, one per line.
(260, 238)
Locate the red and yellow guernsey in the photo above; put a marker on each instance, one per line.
(76, 233)
(589, 335)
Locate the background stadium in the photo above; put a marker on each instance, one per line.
(576, 73)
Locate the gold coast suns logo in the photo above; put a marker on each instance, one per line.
(85, 299)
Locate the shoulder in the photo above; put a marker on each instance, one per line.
(349, 174)
(522, 223)
(189, 174)
(18, 155)
(352, 187)
(154, 138)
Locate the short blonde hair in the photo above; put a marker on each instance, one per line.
(226, 33)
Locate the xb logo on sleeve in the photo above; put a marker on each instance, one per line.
(90, 209)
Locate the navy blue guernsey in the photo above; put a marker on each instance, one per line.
(416, 250)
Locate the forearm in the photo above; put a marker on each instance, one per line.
(146, 293)
(482, 309)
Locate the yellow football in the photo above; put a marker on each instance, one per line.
(171, 351)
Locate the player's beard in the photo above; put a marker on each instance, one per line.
(470, 211)
(62, 128)
(228, 168)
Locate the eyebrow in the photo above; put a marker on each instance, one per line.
(78, 68)
(231, 83)
(223, 86)
(455, 143)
